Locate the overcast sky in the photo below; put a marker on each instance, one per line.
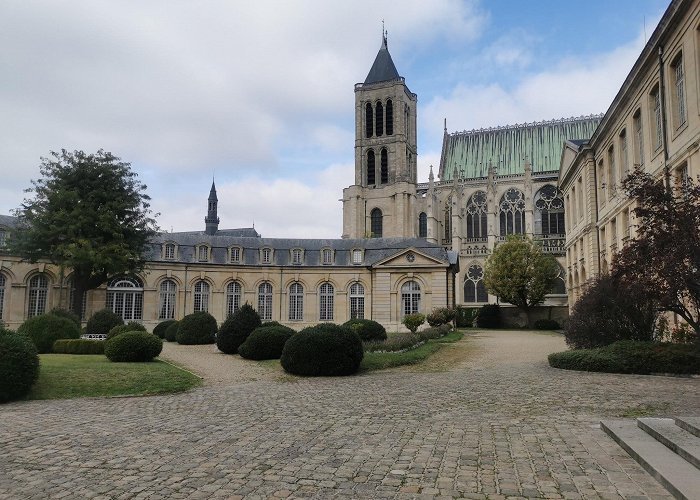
(260, 94)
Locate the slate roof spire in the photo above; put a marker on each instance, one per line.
(211, 221)
(383, 69)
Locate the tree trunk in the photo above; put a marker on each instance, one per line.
(79, 291)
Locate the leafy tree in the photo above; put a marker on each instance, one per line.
(89, 214)
(665, 253)
(518, 272)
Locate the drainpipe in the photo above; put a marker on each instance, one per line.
(662, 98)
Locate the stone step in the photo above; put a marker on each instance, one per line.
(690, 424)
(679, 441)
(678, 476)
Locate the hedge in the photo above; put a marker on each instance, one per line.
(266, 342)
(133, 346)
(196, 328)
(547, 324)
(368, 330)
(171, 331)
(102, 322)
(159, 330)
(19, 365)
(46, 329)
(131, 326)
(325, 349)
(489, 316)
(79, 346)
(235, 330)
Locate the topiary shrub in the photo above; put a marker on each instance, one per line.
(171, 331)
(547, 324)
(19, 365)
(368, 330)
(196, 328)
(131, 326)
(78, 346)
(413, 321)
(66, 314)
(133, 347)
(265, 342)
(271, 323)
(324, 349)
(102, 322)
(45, 329)
(159, 330)
(235, 330)
(489, 316)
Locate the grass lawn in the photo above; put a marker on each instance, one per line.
(382, 360)
(66, 376)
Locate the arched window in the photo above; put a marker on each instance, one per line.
(559, 285)
(125, 298)
(326, 302)
(379, 119)
(376, 223)
(357, 301)
(423, 225)
(477, 212)
(512, 212)
(384, 166)
(233, 297)
(2, 293)
(371, 171)
(474, 288)
(448, 219)
(296, 302)
(38, 295)
(410, 298)
(201, 296)
(265, 301)
(549, 211)
(369, 120)
(389, 117)
(166, 300)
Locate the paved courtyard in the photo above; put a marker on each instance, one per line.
(486, 418)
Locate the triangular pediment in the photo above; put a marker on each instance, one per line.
(410, 258)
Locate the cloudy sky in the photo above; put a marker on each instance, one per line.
(260, 94)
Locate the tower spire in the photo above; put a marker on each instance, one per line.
(211, 221)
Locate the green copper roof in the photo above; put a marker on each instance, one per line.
(507, 147)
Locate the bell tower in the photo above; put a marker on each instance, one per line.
(381, 202)
(211, 221)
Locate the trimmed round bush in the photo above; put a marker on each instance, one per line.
(19, 365)
(413, 321)
(102, 322)
(324, 349)
(66, 314)
(159, 330)
(235, 330)
(133, 346)
(171, 331)
(131, 326)
(78, 346)
(196, 328)
(45, 329)
(368, 330)
(265, 342)
(547, 324)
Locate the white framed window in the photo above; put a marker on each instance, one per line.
(638, 138)
(201, 296)
(265, 301)
(624, 155)
(125, 298)
(203, 253)
(326, 302)
(233, 297)
(357, 301)
(297, 256)
(3, 283)
(166, 300)
(656, 114)
(410, 298)
(266, 255)
(235, 255)
(327, 256)
(678, 97)
(169, 251)
(296, 302)
(357, 256)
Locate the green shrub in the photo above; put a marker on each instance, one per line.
(271, 323)
(547, 324)
(102, 322)
(235, 330)
(434, 332)
(630, 356)
(46, 329)
(159, 330)
(395, 342)
(171, 331)
(465, 316)
(66, 314)
(19, 365)
(489, 316)
(413, 321)
(324, 349)
(441, 316)
(133, 347)
(196, 328)
(131, 326)
(367, 329)
(78, 346)
(265, 342)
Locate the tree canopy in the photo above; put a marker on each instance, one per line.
(89, 214)
(518, 272)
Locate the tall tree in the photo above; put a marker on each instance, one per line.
(518, 272)
(89, 214)
(665, 253)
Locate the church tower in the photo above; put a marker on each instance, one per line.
(211, 221)
(381, 202)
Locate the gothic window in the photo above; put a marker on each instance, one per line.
(201, 296)
(3, 282)
(512, 212)
(125, 298)
(559, 285)
(423, 225)
(203, 253)
(326, 302)
(166, 300)
(549, 211)
(327, 256)
(384, 166)
(235, 255)
(357, 256)
(296, 302)
(71, 299)
(474, 288)
(410, 298)
(297, 256)
(266, 255)
(655, 99)
(477, 215)
(233, 297)
(369, 120)
(376, 223)
(638, 138)
(357, 301)
(265, 301)
(678, 94)
(389, 117)
(169, 251)
(379, 119)
(371, 177)
(448, 218)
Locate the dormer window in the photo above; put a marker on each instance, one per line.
(297, 256)
(357, 256)
(266, 255)
(235, 255)
(203, 253)
(327, 256)
(169, 251)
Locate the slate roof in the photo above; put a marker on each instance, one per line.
(8, 221)
(383, 69)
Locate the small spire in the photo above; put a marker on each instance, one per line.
(445, 125)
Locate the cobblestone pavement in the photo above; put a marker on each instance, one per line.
(500, 423)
